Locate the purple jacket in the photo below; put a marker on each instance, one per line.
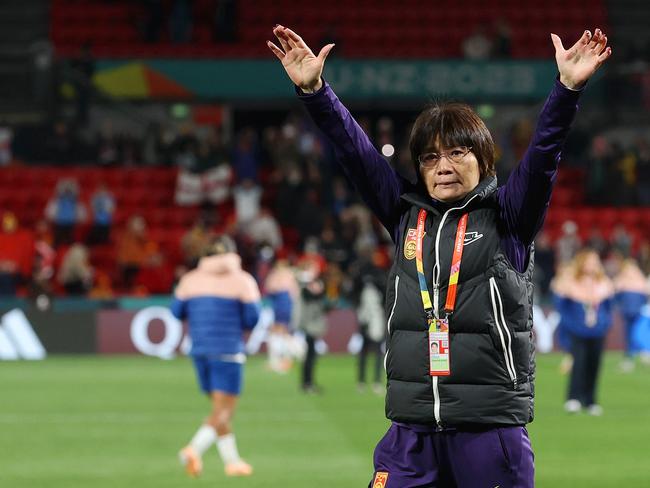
(523, 200)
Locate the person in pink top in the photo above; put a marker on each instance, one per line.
(219, 300)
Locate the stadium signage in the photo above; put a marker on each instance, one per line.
(354, 79)
(18, 339)
(172, 338)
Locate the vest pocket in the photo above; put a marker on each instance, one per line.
(505, 336)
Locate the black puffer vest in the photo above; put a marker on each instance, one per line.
(491, 342)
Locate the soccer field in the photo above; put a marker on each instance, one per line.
(118, 422)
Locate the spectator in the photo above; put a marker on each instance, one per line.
(6, 136)
(76, 274)
(245, 157)
(264, 230)
(622, 240)
(65, 211)
(44, 258)
(311, 320)
(370, 283)
(16, 254)
(154, 277)
(102, 204)
(194, 242)
(478, 45)
(569, 242)
(133, 249)
(102, 289)
(248, 196)
(597, 242)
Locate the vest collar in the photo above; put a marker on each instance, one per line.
(484, 189)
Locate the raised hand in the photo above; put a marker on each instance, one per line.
(577, 64)
(300, 63)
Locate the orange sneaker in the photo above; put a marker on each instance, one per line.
(240, 468)
(192, 461)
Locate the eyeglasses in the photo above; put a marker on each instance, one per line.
(455, 156)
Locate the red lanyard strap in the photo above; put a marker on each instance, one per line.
(459, 244)
(454, 273)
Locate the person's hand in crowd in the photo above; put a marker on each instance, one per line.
(303, 67)
(578, 63)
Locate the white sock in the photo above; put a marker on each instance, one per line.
(203, 439)
(227, 447)
(274, 343)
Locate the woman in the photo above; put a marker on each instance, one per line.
(76, 274)
(459, 420)
(584, 299)
(282, 291)
(631, 295)
(219, 300)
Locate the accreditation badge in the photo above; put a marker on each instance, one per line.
(439, 364)
(381, 478)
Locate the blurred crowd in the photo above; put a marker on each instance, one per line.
(277, 190)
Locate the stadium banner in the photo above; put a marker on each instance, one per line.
(511, 80)
(32, 333)
(152, 331)
(146, 326)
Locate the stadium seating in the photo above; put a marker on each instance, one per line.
(150, 193)
(366, 28)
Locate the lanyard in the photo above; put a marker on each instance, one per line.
(454, 273)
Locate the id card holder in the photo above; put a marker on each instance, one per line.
(439, 364)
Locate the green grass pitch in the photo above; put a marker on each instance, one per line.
(72, 422)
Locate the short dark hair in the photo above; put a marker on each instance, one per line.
(220, 245)
(453, 124)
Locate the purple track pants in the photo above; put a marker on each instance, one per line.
(408, 457)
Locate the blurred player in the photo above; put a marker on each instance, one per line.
(281, 288)
(219, 300)
(584, 300)
(631, 296)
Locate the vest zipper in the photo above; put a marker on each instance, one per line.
(436, 297)
(390, 319)
(504, 331)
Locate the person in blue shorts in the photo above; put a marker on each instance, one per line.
(282, 291)
(461, 276)
(632, 291)
(219, 300)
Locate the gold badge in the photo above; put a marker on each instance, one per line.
(410, 243)
(381, 478)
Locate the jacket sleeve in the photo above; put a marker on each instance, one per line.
(525, 197)
(378, 183)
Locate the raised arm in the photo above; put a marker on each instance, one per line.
(526, 195)
(377, 182)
